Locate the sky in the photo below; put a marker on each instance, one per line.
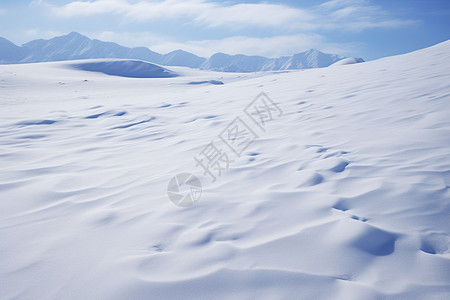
(369, 29)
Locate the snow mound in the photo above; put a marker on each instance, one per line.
(348, 61)
(125, 68)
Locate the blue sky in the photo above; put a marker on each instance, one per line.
(365, 28)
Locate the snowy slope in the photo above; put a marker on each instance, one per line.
(344, 196)
(123, 68)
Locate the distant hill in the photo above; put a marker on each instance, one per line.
(76, 46)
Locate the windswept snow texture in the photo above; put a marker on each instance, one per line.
(346, 195)
(126, 68)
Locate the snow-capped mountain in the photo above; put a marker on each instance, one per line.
(76, 46)
(182, 58)
(10, 52)
(242, 63)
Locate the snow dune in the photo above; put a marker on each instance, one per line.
(346, 195)
(348, 61)
(124, 68)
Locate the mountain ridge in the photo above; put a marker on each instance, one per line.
(74, 46)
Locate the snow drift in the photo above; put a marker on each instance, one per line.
(125, 68)
(346, 195)
(348, 61)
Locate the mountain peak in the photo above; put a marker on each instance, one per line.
(179, 51)
(77, 46)
(9, 52)
(75, 35)
(4, 41)
(312, 50)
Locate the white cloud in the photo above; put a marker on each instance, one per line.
(39, 3)
(263, 15)
(355, 15)
(154, 10)
(80, 8)
(342, 3)
(295, 29)
(199, 11)
(129, 39)
(34, 33)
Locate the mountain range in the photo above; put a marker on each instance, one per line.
(76, 46)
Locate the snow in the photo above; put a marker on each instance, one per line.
(206, 81)
(347, 61)
(124, 68)
(345, 195)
